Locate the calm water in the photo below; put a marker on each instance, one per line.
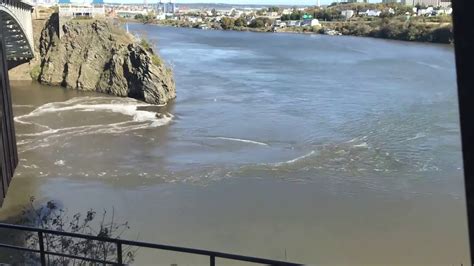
(327, 149)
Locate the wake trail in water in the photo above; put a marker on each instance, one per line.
(429, 65)
(417, 136)
(292, 161)
(243, 140)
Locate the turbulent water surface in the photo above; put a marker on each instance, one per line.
(314, 149)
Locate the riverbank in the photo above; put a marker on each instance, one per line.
(394, 28)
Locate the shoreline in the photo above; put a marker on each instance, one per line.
(268, 31)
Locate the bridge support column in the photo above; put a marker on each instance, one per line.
(8, 149)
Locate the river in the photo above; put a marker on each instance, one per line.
(314, 149)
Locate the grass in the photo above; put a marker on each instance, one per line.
(156, 60)
(35, 72)
(145, 44)
(83, 18)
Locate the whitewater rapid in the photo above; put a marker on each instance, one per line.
(45, 133)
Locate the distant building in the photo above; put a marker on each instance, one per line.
(370, 13)
(68, 9)
(45, 3)
(279, 24)
(293, 23)
(434, 3)
(287, 11)
(445, 3)
(273, 14)
(167, 8)
(310, 22)
(347, 13)
(194, 19)
(425, 11)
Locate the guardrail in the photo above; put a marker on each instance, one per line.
(120, 243)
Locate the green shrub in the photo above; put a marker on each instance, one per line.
(442, 35)
(156, 60)
(35, 72)
(50, 216)
(145, 44)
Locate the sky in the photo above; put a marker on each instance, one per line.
(257, 2)
(269, 2)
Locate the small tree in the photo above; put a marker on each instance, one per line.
(273, 9)
(51, 217)
(260, 22)
(240, 22)
(227, 23)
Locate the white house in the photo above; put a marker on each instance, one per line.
(194, 19)
(71, 9)
(370, 13)
(310, 22)
(347, 13)
(425, 12)
(161, 16)
(273, 14)
(294, 23)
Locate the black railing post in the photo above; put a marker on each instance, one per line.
(41, 246)
(119, 253)
(43, 251)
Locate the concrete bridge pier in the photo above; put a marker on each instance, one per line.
(8, 152)
(16, 46)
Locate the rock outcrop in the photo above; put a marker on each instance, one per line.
(99, 56)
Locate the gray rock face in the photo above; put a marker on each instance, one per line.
(98, 56)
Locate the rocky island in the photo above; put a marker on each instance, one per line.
(96, 55)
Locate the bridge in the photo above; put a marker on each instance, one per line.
(16, 30)
(16, 47)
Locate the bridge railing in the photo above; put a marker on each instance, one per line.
(17, 4)
(43, 250)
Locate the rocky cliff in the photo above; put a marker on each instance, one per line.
(98, 56)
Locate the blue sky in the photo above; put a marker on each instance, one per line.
(264, 2)
(269, 2)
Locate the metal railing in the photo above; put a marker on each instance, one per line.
(121, 242)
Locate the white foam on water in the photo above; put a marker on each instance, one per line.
(361, 145)
(357, 139)
(292, 161)
(60, 162)
(243, 140)
(23, 106)
(139, 119)
(429, 65)
(34, 166)
(126, 107)
(417, 136)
